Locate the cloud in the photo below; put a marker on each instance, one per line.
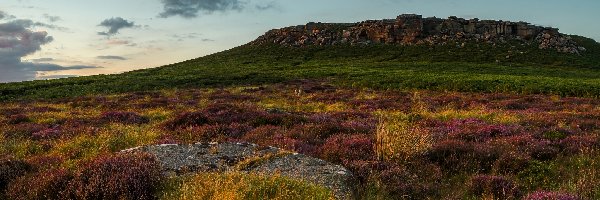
(20, 24)
(17, 40)
(114, 25)
(42, 60)
(52, 18)
(111, 58)
(268, 6)
(48, 77)
(117, 42)
(4, 15)
(191, 8)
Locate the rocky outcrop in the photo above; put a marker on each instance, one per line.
(225, 157)
(411, 29)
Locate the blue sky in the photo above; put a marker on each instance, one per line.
(148, 33)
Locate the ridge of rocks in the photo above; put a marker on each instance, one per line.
(412, 29)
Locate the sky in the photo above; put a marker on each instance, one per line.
(46, 39)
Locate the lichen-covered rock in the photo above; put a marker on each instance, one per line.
(223, 157)
(410, 29)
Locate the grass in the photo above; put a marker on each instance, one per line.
(477, 68)
(242, 186)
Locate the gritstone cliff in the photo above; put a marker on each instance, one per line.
(411, 29)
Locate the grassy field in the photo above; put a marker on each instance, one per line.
(513, 68)
(412, 122)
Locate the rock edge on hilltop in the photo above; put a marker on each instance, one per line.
(412, 29)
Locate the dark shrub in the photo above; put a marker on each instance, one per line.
(49, 133)
(24, 130)
(11, 169)
(314, 133)
(543, 150)
(511, 162)
(187, 119)
(453, 155)
(264, 135)
(546, 195)
(123, 117)
(49, 185)
(45, 162)
(122, 176)
(347, 147)
(400, 182)
(497, 186)
(225, 113)
(576, 144)
(18, 118)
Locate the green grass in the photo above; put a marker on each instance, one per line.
(241, 186)
(509, 67)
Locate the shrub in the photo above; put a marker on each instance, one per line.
(122, 176)
(397, 138)
(546, 195)
(10, 170)
(497, 187)
(50, 185)
(543, 150)
(24, 130)
(18, 118)
(123, 117)
(511, 162)
(45, 161)
(452, 155)
(187, 119)
(399, 182)
(578, 144)
(347, 147)
(264, 135)
(49, 133)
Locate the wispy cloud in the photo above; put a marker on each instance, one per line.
(111, 58)
(52, 18)
(191, 8)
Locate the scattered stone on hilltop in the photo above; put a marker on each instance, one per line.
(244, 157)
(411, 29)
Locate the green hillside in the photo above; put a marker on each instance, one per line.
(509, 67)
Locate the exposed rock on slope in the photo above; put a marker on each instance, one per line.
(410, 29)
(223, 157)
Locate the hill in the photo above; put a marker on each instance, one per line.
(489, 119)
(476, 67)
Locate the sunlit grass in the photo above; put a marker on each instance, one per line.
(242, 186)
(399, 138)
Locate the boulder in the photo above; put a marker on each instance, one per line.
(250, 158)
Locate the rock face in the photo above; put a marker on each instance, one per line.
(411, 29)
(245, 157)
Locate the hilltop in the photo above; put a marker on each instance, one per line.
(411, 29)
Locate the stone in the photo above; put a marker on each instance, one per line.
(411, 29)
(250, 158)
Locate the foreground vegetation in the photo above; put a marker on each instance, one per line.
(413, 144)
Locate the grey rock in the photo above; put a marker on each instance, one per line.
(250, 158)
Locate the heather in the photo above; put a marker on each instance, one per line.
(411, 144)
